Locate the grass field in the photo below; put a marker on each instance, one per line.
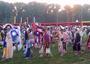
(69, 58)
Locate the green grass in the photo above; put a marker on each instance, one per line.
(69, 58)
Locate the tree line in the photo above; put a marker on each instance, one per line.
(43, 12)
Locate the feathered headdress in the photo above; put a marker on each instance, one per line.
(8, 24)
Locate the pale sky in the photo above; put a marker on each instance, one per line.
(61, 2)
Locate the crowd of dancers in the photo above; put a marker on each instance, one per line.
(26, 37)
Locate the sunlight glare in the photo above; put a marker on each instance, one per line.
(60, 2)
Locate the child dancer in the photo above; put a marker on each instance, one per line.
(27, 51)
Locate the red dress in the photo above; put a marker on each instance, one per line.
(46, 41)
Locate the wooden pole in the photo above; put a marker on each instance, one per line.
(14, 19)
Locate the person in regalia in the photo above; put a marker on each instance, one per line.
(46, 43)
(88, 42)
(16, 36)
(37, 38)
(41, 45)
(1, 41)
(27, 47)
(61, 43)
(8, 44)
(76, 44)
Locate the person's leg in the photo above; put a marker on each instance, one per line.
(28, 53)
(75, 48)
(30, 56)
(50, 53)
(79, 49)
(41, 51)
